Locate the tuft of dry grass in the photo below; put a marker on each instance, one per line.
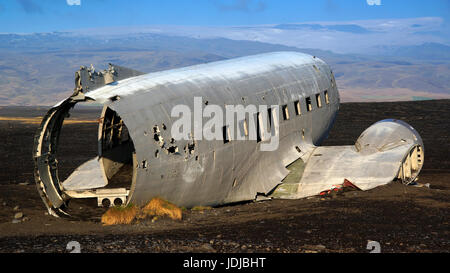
(201, 208)
(119, 215)
(161, 207)
(155, 208)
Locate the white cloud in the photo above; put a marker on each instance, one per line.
(73, 2)
(373, 2)
(378, 32)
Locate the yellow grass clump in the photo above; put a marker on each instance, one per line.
(155, 208)
(119, 215)
(201, 208)
(160, 207)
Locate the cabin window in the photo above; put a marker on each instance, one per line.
(244, 127)
(285, 112)
(315, 68)
(318, 100)
(308, 104)
(298, 111)
(269, 118)
(327, 99)
(226, 134)
(258, 127)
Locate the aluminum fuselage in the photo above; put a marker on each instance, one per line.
(215, 172)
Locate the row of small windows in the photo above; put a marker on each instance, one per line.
(308, 102)
(285, 113)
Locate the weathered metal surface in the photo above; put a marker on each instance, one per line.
(87, 79)
(240, 170)
(88, 175)
(211, 172)
(372, 162)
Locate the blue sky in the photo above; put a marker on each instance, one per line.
(27, 16)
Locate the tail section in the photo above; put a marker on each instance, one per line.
(387, 150)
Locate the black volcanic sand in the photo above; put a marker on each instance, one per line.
(401, 218)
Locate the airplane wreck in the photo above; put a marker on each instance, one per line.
(135, 137)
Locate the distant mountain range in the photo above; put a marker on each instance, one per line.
(426, 51)
(38, 69)
(61, 41)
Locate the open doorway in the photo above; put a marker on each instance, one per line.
(116, 150)
(110, 176)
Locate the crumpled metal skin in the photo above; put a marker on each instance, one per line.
(203, 172)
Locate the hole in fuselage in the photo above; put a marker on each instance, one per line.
(117, 150)
(77, 141)
(89, 158)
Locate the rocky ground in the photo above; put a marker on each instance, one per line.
(401, 218)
